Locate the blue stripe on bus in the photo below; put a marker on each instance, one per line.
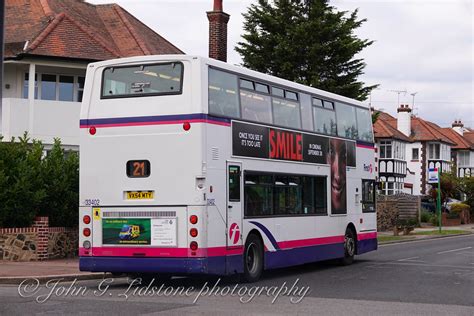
(366, 245)
(297, 256)
(268, 234)
(363, 143)
(220, 265)
(148, 119)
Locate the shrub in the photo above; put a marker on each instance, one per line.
(32, 185)
(425, 216)
(434, 220)
(459, 207)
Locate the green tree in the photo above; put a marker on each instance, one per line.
(449, 187)
(466, 186)
(306, 41)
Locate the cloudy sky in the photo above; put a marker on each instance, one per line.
(421, 46)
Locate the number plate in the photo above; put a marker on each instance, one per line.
(139, 195)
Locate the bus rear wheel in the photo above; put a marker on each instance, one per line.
(349, 247)
(253, 259)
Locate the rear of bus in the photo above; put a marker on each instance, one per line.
(141, 167)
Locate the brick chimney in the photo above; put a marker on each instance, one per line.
(218, 32)
(458, 127)
(404, 119)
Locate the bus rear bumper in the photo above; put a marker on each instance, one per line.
(177, 266)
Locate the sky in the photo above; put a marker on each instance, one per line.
(423, 47)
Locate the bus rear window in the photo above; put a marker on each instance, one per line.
(142, 80)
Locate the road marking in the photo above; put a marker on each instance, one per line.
(439, 253)
(467, 268)
(410, 259)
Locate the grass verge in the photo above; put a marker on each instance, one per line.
(443, 232)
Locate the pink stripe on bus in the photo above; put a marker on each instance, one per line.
(365, 146)
(365, 236)
(212, 251)
(310, 242)
(164, 252)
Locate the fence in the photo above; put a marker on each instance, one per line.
(392, 207)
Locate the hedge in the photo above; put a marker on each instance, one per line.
(34, 184)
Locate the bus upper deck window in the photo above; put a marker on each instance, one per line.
(142, 80)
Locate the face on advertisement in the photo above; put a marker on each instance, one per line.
(338, 175)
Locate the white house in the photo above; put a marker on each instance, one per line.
(48, 45)
(406, 147)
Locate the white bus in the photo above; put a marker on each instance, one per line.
(189, 165)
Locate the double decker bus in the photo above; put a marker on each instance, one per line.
(189, 165)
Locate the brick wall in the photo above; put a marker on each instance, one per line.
(38, 242)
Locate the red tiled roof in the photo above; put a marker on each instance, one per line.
(469, 136)
(382, 129)
(77, 29)
(460, 141)
(421, 130)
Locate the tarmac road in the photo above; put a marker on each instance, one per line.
(429, 277)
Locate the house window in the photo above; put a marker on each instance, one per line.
(80, 88)
(56, 87)
(26, 86)
(434, 151)
(66, 88)
(48, 87)
(415, 155)
(385, 149)
(463, 158)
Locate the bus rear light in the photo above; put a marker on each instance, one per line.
(92, 130)
(193, 245)
(86, 232)
(186, 126)
(86, 244)
(193, 232)
(193, 219)
(86, 219)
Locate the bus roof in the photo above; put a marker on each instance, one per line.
(232, 68)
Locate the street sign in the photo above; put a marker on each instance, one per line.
(433, 175)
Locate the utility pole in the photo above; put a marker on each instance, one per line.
(2, 47)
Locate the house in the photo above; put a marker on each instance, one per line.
(48, 44)
(462, 153)
(391, 156)
(424, 145)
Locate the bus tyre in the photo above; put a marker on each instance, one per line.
(253, 259)
(349, 247)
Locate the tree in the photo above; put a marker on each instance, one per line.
(375, 116)
(305, 41)
(466, 186)
(449, 187)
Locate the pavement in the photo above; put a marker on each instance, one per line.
(68, 269)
